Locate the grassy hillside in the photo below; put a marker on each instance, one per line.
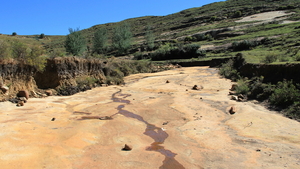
(214, 27)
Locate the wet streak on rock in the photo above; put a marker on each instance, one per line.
(156, 133)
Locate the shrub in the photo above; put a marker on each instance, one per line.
(42, 36)
(168, 51)
(5, 50)
(293, 111)
(244, 45)
(227, 70)
(100, 41)
(149, 36)
(14, 34)
(242, 87)
(75, 43)
(297, 57)
(271, 57)
(285, 94)
(122, 38)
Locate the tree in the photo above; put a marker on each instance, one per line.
(42, 36)
(14, 34)
(100, 41)
(149, 38)
(122, 38)
(75, 43)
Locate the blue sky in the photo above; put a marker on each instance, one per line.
(55, 17)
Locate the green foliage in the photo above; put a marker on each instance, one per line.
(42, 36)
(228, 70)
(244, 45)
(168, 51)
(5, 50)
(100, 41)
(19, 50)
(293, 111)
(237, 14)
(86, 80)
(35, 58)
(149, 38)
(285, 94)
(271, 57)
(122, 37)
(243, 87)
(14, 34)
(75, 43)
(297, 57)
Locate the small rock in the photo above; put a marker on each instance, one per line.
(20, 103)
(231, 93)
(104, 85)
(53, 119)
(258, 150)
(240, 96)
(167, 81)
(5, 89)
(33, 93)
(23, 93)
(127, 148)
(23, 99)
(48, 92)
(232, 110)
(165, 123)
(186, 90)
(233, 87)
(234, 97)
(195, 87)
(201, 98)
(105, 118)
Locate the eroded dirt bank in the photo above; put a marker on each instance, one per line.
(168, 125)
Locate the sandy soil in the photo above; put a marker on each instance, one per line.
(168, 126)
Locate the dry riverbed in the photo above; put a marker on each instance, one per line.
(168, 126)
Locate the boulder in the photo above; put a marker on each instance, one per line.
(127, 148)
(232, 110)
(23, 93)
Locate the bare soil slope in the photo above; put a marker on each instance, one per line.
(168, 125)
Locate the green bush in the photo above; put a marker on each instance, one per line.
(270, 58)
(122, 37)
(42, 36)
(14, 34)
(5, 49)
(244, 45)
(227, 70)
(75, 43)
(242, 87)
(100, 41)
(168, 52)
(285, 94)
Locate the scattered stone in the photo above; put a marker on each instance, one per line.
(49, 92)
(20, 103)
(104, 85)
(258, 150)
(186, 90)
(234, 97)
(4, 89)
(23, 99)
(232, 110)
(231, 93)
(240, 96)
(105, 118)
(33, 93)
(23, 93)
(53, 119)
(201, 98)
(195, 87)
(233, 87)
(167, 81)
(127, 148)
(165, 123)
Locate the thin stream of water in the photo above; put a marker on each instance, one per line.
(156, 133)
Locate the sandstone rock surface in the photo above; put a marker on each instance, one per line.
(200, 132)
